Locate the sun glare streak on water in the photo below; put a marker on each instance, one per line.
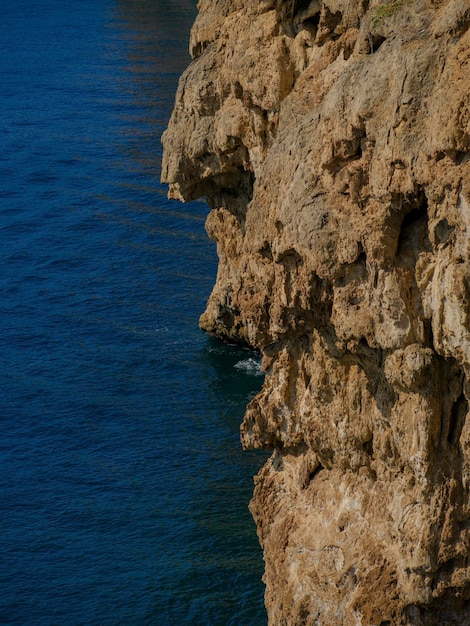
(123, 488)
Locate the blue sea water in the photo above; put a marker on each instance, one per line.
(123, 487)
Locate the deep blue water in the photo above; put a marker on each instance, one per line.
(123, 487)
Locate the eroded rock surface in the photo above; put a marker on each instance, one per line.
(331, 139)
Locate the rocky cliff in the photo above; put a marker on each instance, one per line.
(331, 139)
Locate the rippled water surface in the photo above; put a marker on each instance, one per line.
(123, 488)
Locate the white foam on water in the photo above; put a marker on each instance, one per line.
(249, 366)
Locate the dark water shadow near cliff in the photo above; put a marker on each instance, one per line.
(219, 579)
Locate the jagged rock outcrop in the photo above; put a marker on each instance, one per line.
(331, 139)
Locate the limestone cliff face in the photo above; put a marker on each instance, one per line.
(331, 139)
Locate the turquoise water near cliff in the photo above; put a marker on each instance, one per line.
(123, 487)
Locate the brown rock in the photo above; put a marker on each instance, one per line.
(331, 139)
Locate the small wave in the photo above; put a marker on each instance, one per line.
(249, 366)
(161, 329)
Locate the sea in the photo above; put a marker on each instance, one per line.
(124, 490)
